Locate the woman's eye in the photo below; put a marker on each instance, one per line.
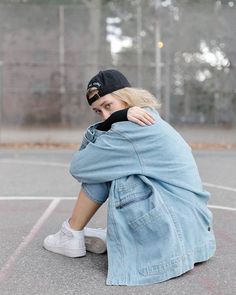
(97, 111)
(107, 106)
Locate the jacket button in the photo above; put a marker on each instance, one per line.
(209, 229)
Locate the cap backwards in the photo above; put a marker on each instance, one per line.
(106, 82)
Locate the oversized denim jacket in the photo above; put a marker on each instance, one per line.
(158, 222)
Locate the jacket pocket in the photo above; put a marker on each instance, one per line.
(130, 190)
(132, 198)
(133, 203)
(156, 241)
(146, 219)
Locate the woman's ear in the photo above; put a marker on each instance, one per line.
(126, 104)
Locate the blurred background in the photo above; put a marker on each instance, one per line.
(182, 51)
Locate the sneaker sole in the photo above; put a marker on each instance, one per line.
(95, 245)
(69, 252)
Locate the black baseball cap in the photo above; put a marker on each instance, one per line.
(106, 82)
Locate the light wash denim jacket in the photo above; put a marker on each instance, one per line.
(158, 221)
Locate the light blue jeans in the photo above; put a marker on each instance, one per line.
(97, 192)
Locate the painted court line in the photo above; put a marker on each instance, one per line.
(5, 270)
(37, 163)
(226, 188)
(222, 208)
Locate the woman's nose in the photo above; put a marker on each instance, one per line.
(105, 115)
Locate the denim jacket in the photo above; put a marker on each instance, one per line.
(158, 223)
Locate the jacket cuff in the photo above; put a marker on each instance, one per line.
(117, 116)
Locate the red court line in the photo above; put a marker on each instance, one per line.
(5, 270)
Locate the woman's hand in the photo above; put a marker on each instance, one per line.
(140, 116)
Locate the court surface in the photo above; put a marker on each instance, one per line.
(37, 194)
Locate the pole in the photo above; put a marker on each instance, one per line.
(157, 50)
(62, 49)
(139, 43)
(62, 62)
(167, 83)
(1, 98)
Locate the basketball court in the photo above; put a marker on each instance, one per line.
(37, 194)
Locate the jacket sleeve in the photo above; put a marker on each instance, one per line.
(115, 117)
(90, 136)
(110, 157)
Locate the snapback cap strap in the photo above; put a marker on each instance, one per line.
(93, 98)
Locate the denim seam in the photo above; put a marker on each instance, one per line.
(133, 145)
(175, 227)
(185, 259)
(124, 203)
(117, 233)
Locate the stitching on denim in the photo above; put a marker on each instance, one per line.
(180, 238)
(118, 240)
(124, 203)
(133, 145)
(188, 258)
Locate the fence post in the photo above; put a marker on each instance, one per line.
(157, 49)
(1, 98)
(139, 44)
(62, 60)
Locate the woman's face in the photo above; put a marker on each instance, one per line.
(106, 105)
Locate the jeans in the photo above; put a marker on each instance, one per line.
(97, 192)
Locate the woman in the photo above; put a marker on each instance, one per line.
(158, 223)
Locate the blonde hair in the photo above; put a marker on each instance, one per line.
(91, 92)
(137, 97)
(131, 96)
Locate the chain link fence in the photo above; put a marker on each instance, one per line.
(182, 52)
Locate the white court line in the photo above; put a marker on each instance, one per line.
(226, 188)
(55, 201)
(38, 163)
(11, 260)
(222, 208)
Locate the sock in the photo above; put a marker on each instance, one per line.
(71, 229)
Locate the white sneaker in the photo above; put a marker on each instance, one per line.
(66, 241)
(95, 240)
